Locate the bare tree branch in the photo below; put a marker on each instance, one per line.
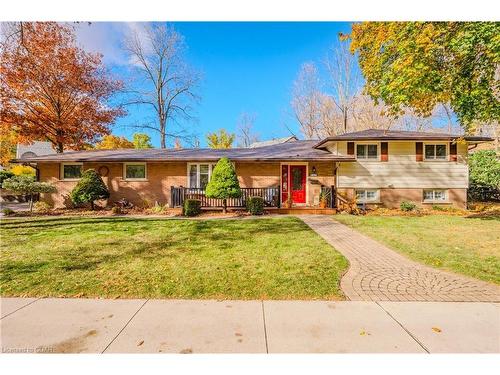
(245, 134)
(157, 55)
(306, 100)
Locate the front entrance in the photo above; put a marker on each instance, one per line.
(293, 182)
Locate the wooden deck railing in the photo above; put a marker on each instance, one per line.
(178, 194)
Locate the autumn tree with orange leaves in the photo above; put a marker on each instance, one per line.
(50, 89)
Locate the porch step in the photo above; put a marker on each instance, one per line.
(301, 211)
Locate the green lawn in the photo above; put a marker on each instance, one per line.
(470, 246)
(275, 258)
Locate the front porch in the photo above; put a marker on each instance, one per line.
(272, 196)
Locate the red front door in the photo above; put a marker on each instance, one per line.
(293, 181)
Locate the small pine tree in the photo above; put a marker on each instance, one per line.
(224, 182)
(90, 188)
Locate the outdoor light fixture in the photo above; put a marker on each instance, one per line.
(313, 172)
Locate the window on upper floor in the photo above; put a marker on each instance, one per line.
(367, 151)
(435, 151)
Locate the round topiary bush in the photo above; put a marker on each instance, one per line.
(192, 207)
(255, 205)
(90, 188)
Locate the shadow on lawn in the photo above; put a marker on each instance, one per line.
(250, 227)
(47, 223)
(486, 215)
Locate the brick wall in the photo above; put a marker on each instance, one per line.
(392, 198)
(252, 174)
(160, 176)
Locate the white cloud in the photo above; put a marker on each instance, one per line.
(106, 38)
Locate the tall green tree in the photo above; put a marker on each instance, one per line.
(141, 141)
(422, 64)
(484, 169)
(220, 139)
(224, 183)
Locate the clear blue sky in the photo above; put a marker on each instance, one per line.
(246, 67)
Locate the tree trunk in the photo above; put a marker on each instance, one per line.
(224, 206)
(345, 120)
(163, 144)
(92, 205)
(31, 202)
(59, 147)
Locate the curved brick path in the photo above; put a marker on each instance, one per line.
(377, 273)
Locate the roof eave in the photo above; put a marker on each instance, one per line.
(471, 139)
(187, 160)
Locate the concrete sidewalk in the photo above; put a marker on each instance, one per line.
(206, 326)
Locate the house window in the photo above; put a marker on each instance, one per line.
(134, 171)
(434, 195)
(435, 152)
(199, 175)
(366, 195)
(71, 171)
(367, 151)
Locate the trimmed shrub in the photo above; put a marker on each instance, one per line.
(407, 206)
(224, 182)
(5, 175)
(192, 207)
(41, 207)
(7, 211)
(25, 184)
(116, 210)
(255, 205)
(90, 188)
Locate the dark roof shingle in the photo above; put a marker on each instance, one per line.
(380, 134)
(298, 150)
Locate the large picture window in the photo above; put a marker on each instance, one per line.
(435, 152)
(135, 171)
(71, 171)
(199, 175)
(368, 151)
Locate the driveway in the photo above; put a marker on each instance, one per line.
(377, 273)
(14, 206)
(68, 325)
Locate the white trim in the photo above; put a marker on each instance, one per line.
(307, 181)
(446, 157)
(210, 169)
(376, 199)
(61, 172)
(135, 179)
(367, 143)
(434, 200)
